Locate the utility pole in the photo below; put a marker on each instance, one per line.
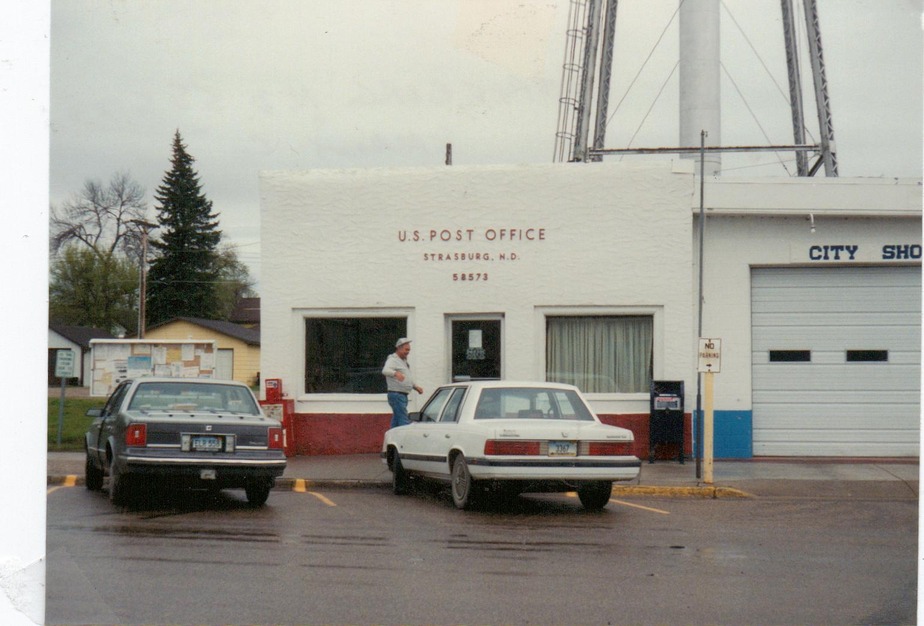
(143, 228)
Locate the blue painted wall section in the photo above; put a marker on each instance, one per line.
(733, 433)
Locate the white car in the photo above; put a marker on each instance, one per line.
(507, 438)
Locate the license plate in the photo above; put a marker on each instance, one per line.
(206, 443)
(562, 448)
(208, 474)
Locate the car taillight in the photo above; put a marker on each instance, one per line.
(275, 438)
(609, 448)
(501, 447)
(136, 435)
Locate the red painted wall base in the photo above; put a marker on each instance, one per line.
(339, 433)
(362, 433)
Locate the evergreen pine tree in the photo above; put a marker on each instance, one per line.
(183, 277)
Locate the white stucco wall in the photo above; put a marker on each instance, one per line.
(588, 239)
(767, 223)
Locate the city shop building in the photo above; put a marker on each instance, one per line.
(589, 274)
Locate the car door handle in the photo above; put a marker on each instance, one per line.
(426, 435)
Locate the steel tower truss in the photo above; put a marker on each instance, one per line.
(589, 17)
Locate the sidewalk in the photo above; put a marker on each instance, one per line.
(790, 477)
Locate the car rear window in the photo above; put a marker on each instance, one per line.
(531, 403)
(180, 396)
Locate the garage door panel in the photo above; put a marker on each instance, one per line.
(870, 301)
(828, 337)
(835, 449)
(844, 277)
(837, 378)
(788, 319)
(822, 437)
(828, 406)
(896, 358)
(765, 398)
(792, 417)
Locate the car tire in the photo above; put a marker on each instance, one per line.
(257, 493)
(462, 485)
(118, 485)
(400, 481)
(93, 476)
(594, 496)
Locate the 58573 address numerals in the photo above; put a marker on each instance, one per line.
(472, 277)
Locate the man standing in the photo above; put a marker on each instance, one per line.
(397, 374)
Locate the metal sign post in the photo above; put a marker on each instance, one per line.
(64, 369)
(710, 363)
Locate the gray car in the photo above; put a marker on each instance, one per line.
(187, 433)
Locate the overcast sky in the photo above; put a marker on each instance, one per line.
(296, 84)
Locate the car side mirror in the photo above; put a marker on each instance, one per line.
(414, 417)
(94, 412)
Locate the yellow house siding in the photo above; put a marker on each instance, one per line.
(246, 362)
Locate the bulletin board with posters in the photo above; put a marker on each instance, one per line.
(114, 360)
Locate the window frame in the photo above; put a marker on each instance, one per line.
(656, 313)
(450, 318)
(303, 315)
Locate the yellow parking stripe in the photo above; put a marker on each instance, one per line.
(301, 486)
(573, 494)
(639, 506)
(322, 499)
(69, 481)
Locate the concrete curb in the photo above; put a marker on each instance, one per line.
(305, 484)
(704, 491)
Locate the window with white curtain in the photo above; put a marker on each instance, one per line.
(600, 354)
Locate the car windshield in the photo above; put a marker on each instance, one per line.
(188, 396)
(531, 403)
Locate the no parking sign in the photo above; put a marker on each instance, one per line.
(710, 355)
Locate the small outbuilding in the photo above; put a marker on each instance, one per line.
(237, 347)
(77, 339)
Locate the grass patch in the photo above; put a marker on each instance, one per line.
(75, 422)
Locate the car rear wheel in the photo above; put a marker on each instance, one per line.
(93, 475)
(118, 485)
(462, 484)
(257, 493)
(400, 481)
(594, 496)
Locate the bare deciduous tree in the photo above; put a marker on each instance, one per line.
(104, 218)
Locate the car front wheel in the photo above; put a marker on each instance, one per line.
(594, 496)
(400, 481)
(462, 484)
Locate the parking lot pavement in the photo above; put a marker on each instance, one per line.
(777, 477)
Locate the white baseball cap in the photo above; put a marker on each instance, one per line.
(402, 341)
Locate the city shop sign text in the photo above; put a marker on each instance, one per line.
(848, 252)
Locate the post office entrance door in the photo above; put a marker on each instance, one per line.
(476, 349)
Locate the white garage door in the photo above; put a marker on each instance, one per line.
(836, 361)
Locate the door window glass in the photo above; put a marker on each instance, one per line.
(431, 412)
(451, 414)
(476, 347)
